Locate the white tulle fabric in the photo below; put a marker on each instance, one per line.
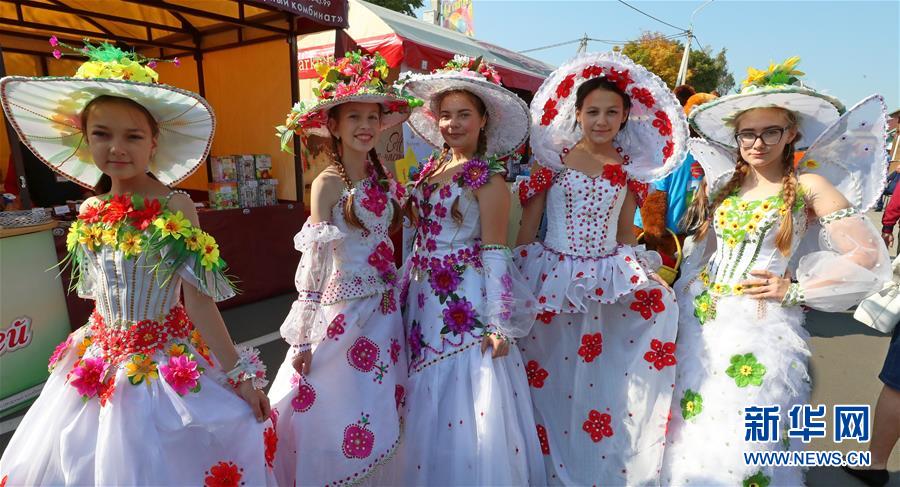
(851, 264)
(643, 139)
(852, 153)
(304, 324)
(510, 307)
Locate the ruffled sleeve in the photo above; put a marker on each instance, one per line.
(211, 282)
(540, 180)
(850, 264)
(305, 324)
(510, 306)
(85, 283)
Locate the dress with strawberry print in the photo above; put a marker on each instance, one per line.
(601, 358)
(469, 419)
(138, 376)
(341, 422)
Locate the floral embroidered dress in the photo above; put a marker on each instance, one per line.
(736, 352)
(135, 396)
(341, 422)
(601, 358)
(469, 419)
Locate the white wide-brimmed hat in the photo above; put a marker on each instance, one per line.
(46, 114)
(652, 143)
(779, 86)
(353, 78)
(508, 121)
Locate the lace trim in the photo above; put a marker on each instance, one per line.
(838, 215)
(794, 296)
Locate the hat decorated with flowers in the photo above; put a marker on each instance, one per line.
(353, 78)
(46, 113)
(508, 120)
(779, 86)
(652, 143)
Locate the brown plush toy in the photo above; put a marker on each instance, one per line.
(655, 235)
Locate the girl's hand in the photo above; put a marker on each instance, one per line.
(257, 400)
(766, 286)
(499, 344)
(659, 280)
(302, 361)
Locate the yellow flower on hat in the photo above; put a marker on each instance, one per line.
(811, 164)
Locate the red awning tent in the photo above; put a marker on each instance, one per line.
(415, 45)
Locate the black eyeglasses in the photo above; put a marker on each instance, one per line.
(770, 136)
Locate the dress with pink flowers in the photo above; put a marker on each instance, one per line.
(338, 424)
(134, 396)
(601, 358)
(469, 417)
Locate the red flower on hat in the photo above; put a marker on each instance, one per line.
(550, 112)
(621, 78)
(668, 149)
(565, 86)
(643, 96)
(663, 123)
(592, 71)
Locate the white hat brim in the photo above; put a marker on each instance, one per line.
(815, 112)
(653, 148)
(46, 115)
(317, 114)
(508, 119)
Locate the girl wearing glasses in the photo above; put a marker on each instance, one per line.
(776, 236)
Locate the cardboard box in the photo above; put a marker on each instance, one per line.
(246, 165)
(223, 195)
(248, 192)
(268, 192)
(224, 168)
(263, 166)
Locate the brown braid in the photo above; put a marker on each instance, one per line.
(349, 212)
(785, 235)
(381, 174)
(697, 212)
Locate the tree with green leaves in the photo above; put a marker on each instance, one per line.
(407, 7)
(662, 56)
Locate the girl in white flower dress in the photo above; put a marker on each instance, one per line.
(135, 396)
(601, 359)
(778, 238)
(469, 418)
(338, 395)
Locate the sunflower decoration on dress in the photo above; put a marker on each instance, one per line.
(46, 112)
(353, 78)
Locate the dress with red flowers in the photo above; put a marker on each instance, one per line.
(340, 422)
(602, 353)
(469, 417)
(135, 397)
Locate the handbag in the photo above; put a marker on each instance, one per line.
(881, 310)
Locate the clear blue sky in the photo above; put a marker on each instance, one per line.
(849, 49)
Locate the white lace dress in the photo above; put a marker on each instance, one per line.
(341, 422)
